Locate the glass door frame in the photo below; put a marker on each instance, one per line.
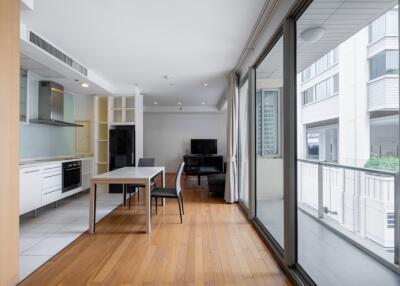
(276, 247)
(286, 257)
(243, 80)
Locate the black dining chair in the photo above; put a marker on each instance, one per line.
(143, 162)
(175, 193)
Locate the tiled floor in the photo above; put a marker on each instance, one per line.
(53, 229)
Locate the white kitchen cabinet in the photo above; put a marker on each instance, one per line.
(30, 189)
(51, 183)
(87, 172)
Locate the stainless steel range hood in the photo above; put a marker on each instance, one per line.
(51, 105)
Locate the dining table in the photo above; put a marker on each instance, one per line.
(125, 176)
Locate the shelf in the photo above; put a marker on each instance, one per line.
(122, 123)
(102, 122)
(130, 108)
(102, 140)
(102, 163)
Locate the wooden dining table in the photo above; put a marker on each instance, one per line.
(125, 176)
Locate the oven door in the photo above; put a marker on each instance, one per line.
(71, 176)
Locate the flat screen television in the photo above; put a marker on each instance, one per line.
(203, 146)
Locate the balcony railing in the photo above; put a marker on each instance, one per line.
(362, 204)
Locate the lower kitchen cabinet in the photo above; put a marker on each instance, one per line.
(42, 185)
(30, 189)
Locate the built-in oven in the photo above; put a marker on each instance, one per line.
(71, 175)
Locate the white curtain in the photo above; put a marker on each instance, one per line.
(231, 182)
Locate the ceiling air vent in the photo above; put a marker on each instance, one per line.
(38, 41)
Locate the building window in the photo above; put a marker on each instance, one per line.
(320, 90)
(313, 145)
(308, 95)
(267, 113)
(386, 25)
(336, 84)
(321, 65)
(384, 63)
(308, 73)
(322, 143)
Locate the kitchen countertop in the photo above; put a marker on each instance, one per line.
(38, 162)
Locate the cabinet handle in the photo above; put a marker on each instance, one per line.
(33, 171)
(53, 168)
(52, 176)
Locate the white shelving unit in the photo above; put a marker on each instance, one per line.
(113, 111)
(122, 110)
(101, 133)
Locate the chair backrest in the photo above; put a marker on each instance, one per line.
(178, 178)
(146, 162)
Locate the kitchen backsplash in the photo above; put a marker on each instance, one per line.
(40, 140)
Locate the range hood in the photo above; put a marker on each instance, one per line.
(51, 105)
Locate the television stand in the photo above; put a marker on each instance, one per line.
(203, 165)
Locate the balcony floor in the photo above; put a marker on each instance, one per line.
(325, 256)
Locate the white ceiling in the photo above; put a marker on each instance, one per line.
(141, 41)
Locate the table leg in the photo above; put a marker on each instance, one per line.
(148, 207)
(163, 185)
(124, 194)
(92, 208)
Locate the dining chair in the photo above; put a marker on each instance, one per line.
(143, 162)
(175, 193)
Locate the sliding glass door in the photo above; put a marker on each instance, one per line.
(348, 142)
(269, 155)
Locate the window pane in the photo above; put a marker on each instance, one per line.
(320, 90)
(258, 123)
(392, 22)
(336, 83)
(321, 65)
(377, 29)
(377, 65)
(270, 130)
(269, 166)
(392, 62)
(308, 95)
(313, 145)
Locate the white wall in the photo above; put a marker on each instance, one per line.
(167, 135)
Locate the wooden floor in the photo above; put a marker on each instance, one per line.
(215, 245)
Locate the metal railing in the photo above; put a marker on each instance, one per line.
(368, 184)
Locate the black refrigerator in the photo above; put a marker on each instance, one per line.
(122, 150)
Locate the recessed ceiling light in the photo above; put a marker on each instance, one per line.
(155, 103)
(85, 85)
(179, 103)
(205, 84)
(203, 103)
